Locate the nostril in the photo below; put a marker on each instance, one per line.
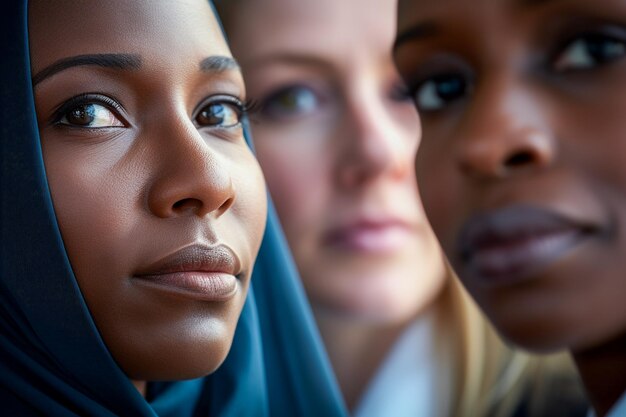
(186, 204)
(519, 159)
(226, 205)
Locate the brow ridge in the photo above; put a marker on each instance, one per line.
(218, 63)
(116, 61)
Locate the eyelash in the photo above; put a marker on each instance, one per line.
(251, 107)
(85, 99)
(245, 108)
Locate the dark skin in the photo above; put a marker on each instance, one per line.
(160, 202)
(521, 166)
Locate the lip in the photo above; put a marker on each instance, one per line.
(205, 273)
(373, 236)
(515, 244)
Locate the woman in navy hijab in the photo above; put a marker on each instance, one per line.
(127, 257)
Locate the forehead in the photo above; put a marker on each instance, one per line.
(412, 11)
(321, 27)
(496, 26)
(152, 28)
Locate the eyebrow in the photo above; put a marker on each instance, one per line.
(295, 58)
(116, 61)
(218, 63)
(427, 29)
(415, 32)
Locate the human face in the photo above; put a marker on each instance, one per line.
(521, 162)
(336, 139)
(159, 201)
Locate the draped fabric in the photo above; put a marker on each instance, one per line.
(52, 359)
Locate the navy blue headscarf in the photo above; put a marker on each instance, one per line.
(52, 359)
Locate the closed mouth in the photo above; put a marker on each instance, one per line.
(206, 273)
(382, 236)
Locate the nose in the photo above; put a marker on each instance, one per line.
(506, 134)
(373, 144)
(190, 178)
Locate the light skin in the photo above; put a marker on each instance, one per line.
(336, 137)
(521, 166)
(160, 203)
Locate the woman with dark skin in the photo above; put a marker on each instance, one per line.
(132, 151)
(132, 211)
(521, 167)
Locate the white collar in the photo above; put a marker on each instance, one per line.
(405, 384)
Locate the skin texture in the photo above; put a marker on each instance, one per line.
(149, 176)
(336, 137)
(522, 114)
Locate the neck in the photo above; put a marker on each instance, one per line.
(603, 370)
(141, 386)
(356, 349)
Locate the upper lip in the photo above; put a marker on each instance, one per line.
(513, 224)
(196, 258)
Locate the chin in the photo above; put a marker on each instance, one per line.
(545, 335)
(183, 362)
(383, 304)
(190, 353)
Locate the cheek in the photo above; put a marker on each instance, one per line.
(93, 204)
(438, 193)
(251, 203)
(297, 178)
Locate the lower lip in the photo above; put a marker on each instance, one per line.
(521, 261)
(375, 240)
(202, 286)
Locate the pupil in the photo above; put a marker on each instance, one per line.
(213, 114)
(289, 100)
(602, 49)
(82, 115)
(450, 87)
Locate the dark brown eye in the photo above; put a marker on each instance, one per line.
(83, 115)
(91, 115)
(439, 91)
(589, 51)
(219, 114)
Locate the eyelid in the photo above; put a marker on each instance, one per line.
(288, 88)
(89, 98)
(610, 31)
(240, 105)
(440, 64)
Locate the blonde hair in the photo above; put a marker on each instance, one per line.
(487, 377)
